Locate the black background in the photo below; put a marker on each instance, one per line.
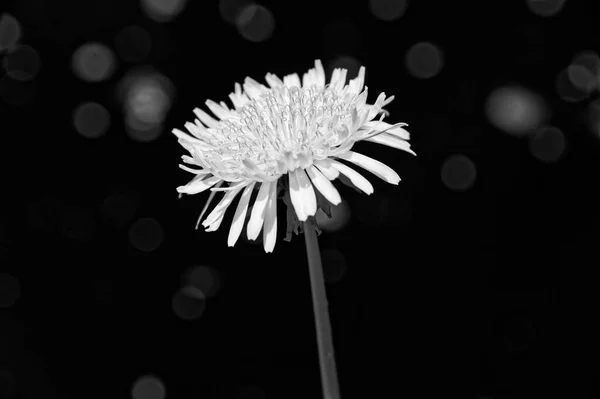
(487, 292)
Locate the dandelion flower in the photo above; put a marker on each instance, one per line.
(292, 138)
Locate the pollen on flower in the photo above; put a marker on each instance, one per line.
(294, 128)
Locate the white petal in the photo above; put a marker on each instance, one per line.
(253, 89)
(270, 230)
(356, 178)
(391, 141)
(216, 109)
(199, 172)
(185, 137)
(240, 216)
(323, 185)
(372, 165)
(302, 195)
(257, 217)
(292, 80)
(214, 219)
(394, 130)
(206, 118)
(195, 187)
(320, 74)
(238, 98)
(273, 80)
(327, 169)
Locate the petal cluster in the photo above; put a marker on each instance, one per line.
(299, 128)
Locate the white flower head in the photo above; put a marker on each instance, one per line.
(295, 128)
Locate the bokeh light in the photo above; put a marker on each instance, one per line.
(250, 392)
(230, 9)
(388, 10)
(548, 144)
(163, 10)
(17, 92)
(120, 206)
(10, 290)
(424, 60)
(133, 44)
(22, 62)
(10, 31)
(458, 173)
(189, 303)
(91, 120)
(584, 72)
(148, 387)
(204, 278)
(93, 62)
(515, 110)
(334, 265)
(77, 223)
(545, 8)
(340, 216)
(146, 234)
(146, 96)
(255, 23)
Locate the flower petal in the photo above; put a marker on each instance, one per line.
(197, 186)
(327, 169)
(356, 178)
(273, 80)
(257, 217)
(394, 130)
(270, 230)
(214, 219)
(218, 110)
(253, 89)
(240, 216)
(323, 185)
(206, 118)
(391, 141)
(302, 195)
(372, 165)
(292, 80)
(320, 74)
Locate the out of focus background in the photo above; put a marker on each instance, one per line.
(473, 278)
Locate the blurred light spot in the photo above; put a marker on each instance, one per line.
(8, 384)
(133, 44)
(91, 120)
(204, 278)
(146, 234)
(255, 23)
(340, 215)
(77, 223)
(22, 63)
(230, 9)
(44, 213)
(334, 265)
(342, 37)
(120, 207)
(163, 10)
(147, 97)
(567, 90)
(458, 173)
(250, 392)
(545, 8)
(93, 62)
(10, 31)
(17, 92)
(514, 110)
(10, 290)
(351, 64)
(548, 144)
(424, 60)
(593, 118)
(189, 303)
(584, 71)
(388, 10)
(148, 387)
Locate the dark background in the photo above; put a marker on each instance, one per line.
(451, 284)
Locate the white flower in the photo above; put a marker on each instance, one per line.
(296, 128)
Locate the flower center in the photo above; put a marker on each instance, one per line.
(284, 129)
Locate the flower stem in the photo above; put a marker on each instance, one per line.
(323, 326)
